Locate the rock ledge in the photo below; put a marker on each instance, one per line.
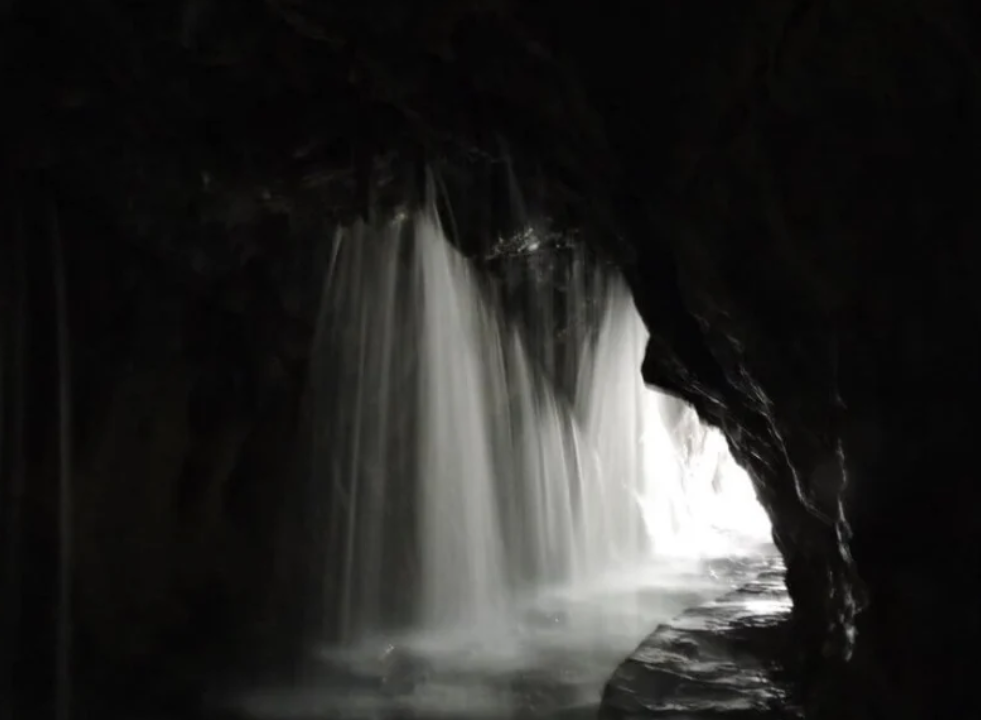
(718, 660)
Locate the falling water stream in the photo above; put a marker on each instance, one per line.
(63, 654)
(492, 546)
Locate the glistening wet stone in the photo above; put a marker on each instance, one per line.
(717, 660)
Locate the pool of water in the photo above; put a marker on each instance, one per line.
(550, 660)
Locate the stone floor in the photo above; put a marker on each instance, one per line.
(706, 662)
(555, 660)
(714, 661)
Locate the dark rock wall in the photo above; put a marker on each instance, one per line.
(788, 186)
(810, 190)
(186, 406)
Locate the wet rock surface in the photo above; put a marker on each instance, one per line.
(717, 660)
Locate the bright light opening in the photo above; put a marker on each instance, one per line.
(698, 490)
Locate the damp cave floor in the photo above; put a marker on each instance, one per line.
(715, 659)
(718, 629)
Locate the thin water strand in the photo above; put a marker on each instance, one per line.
(63, 673)
(16, 480)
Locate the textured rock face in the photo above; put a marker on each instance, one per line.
(714, 660)
(821, 247)
(791, 185)
(186, 408)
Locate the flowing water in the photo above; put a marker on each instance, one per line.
(63, 654)
(493, 546)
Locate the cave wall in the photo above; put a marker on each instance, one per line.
(185, 391)
(788, 187)
(809, 289)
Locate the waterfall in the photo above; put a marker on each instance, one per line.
(463, 572)
(692, 498)
(459, 480)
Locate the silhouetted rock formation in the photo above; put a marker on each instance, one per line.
(789, 188)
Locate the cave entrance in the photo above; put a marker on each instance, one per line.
(505, 498)
(694, 499)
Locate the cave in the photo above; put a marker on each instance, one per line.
(782, 190)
